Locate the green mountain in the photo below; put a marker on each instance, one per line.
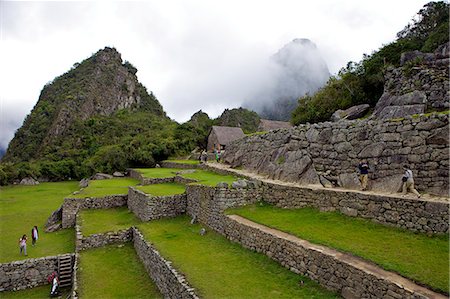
(363, 82)
(95, 117)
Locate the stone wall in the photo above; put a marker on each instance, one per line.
(350, 276)
(75, 277)
(28, 273)
(71, 206)
(147, 207)
(170, 283)
(150, 181)
(168, 164)
(301, 153)
(207, 205)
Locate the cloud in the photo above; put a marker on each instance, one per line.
(192, 54)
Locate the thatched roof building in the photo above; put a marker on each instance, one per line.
(219, 137)
(268, 125)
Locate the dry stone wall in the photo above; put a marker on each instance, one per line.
(301, 153)
(28, 273)
(150, 181)
(348, 275)
(71, 206)
(169, 281)
(147, 207)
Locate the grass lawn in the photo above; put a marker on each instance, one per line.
(22, 207)
(165, 189)
(417, 256)
(99, 188)
(190, 162)
(209, 178)
(106, 220)
(218, 268)
(114, 272)
(156, 173)
(34, 293)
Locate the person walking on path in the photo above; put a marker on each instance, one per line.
(408, 182)
(34, 235)
(363, 174)
(23, 244)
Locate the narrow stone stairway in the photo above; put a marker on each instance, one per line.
(65, 270)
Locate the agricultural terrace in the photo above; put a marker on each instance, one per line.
(417, 256)
(100, 188)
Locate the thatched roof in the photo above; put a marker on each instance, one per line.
(225, 135)
(268, 125)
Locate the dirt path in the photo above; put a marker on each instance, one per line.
(242, 172)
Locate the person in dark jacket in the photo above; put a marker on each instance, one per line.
(363, 174)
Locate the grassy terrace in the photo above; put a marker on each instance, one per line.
(417, 256)
(155, 173)
(99, 188)
(114, 272)
(22, 207)
(101, 221)
(190, 162)
(165, 189)
(217, 268)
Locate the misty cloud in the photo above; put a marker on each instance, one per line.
(192, 54)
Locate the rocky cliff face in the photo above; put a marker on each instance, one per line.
(420, 85)
(297, 69)
(302, 153)
(100, 85)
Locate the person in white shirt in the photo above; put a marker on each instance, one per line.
(408, 182)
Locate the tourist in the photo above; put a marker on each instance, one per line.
(363, 174)
(408, 182)
(23, 244)
(218, 155)
(34, 235)
(53, 279)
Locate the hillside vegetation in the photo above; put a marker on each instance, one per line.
(362, 82)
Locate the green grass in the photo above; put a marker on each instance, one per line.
(114, 272)
(417, 256)
(22, 207)
(99, 188)
(40, 292)
(106, 220)
(165, 189)
(155, 173)
(190, 162)
(209, 178)
(217, 268)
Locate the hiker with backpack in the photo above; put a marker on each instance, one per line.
(408, 182)
(54, 280)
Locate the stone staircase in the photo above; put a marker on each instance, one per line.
(65, 268)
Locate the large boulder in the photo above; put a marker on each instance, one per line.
(54, 218)
(29, 182)
(391, 106)
(118, 174)
(84, 183)
(353, 112)
(101, 176)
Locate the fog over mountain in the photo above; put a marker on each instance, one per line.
(295, 70)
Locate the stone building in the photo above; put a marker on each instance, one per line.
(219, 137)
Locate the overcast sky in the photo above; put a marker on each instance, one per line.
(192, 54)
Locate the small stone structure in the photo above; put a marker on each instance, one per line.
(27, 273)
(220, 136)
(147, 207)
(71, 206)
(297, 154)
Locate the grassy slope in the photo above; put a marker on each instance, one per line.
(218, 268)
(100, 221)
(100, 188)
(190, 162)
(22, 207)
(114, 272)
(422, 258)
(165, 189)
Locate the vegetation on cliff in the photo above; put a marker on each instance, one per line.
(362, 82)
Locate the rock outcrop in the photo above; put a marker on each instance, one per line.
(420, 85)
(353, 112)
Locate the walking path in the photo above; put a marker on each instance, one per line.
(424, 197)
